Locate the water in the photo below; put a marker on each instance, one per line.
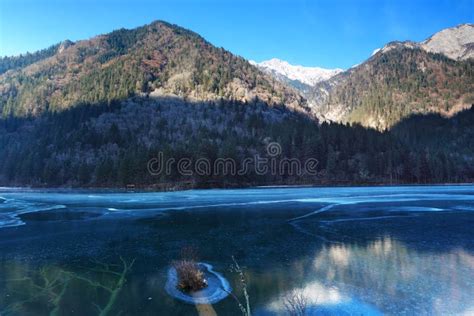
(345, 251)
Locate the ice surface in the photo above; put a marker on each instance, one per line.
(351, 250)
(14, 202)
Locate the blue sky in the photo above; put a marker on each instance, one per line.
(306, 32)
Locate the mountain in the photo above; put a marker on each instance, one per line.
(402, 79)
(96, 112)
(158, 59)
(300, 77)
(455, 43)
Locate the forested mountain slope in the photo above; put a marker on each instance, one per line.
(95, 112)
(111, 145)
(158, 59)
(401, 79)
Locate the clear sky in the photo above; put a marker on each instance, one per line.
(306, 32)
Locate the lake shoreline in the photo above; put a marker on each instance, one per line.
(177, 187)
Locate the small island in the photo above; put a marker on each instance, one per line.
(196, 282)
(190, 276)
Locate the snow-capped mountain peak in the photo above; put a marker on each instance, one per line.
(307, 75)
(455, 42)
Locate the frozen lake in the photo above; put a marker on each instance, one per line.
(347, 251)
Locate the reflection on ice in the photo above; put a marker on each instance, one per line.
(322, 300)
(383, 275)
(401, 274)
(340, 255)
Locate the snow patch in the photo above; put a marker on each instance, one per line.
(307, 75)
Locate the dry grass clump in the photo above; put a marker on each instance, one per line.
(190, 276)
(235, 267)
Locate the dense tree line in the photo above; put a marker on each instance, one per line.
(15, 62)
(110, 145)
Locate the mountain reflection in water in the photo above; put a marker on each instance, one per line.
(389, 275)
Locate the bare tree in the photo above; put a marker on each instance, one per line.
(295, 303)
